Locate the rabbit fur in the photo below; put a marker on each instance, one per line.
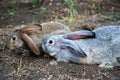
(100, 46)
(31, 35)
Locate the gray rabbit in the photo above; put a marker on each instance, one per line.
(100, 46)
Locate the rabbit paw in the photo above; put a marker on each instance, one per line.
(106, 65)
(63, 60)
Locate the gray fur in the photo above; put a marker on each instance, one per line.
(104, 49)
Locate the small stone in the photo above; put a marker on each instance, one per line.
(53, 62)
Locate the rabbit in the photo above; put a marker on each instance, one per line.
(31, 36)
(100, 46)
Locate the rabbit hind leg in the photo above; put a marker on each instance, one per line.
(118, 59)
(106, 65)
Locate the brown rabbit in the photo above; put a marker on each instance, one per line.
(32, 35)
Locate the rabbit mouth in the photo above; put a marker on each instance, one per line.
(53, 54)
(20, 51)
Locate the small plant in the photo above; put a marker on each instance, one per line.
(12, 12)
(71, 4)
(43, 10)
(14, 1)
(112, 17)
(2, 46)
(102, 10)
(34, 1)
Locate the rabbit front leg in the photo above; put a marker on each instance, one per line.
(62, 60)
(61, 57)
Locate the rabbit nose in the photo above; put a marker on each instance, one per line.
(14, 51)
(44, 48)
(9, 47)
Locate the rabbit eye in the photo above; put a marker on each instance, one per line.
(14, 38)
(50, 42)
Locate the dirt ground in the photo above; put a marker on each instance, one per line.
(29, 67)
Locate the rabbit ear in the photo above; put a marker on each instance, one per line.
(33, 47)
(72, 47)
(80, 35)
(30, 28)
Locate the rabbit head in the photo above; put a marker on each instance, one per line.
(13, 41)
(57, 43)
(54, 44)
(20, 37)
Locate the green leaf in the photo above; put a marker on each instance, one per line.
(34, 1)
(75, 13)
(12, 12)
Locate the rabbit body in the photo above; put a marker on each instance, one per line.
(103, 49)
(48, 28)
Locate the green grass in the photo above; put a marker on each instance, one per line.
(12, 12)
(73, 12)
(111, 17)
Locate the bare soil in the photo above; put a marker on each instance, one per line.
(29, 67)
